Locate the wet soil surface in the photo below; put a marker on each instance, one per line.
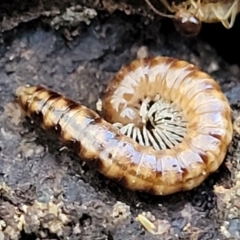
(47, 192)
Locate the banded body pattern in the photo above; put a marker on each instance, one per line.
(183, 166)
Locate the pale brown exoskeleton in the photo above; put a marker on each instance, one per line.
(189, 14)
(166, 125)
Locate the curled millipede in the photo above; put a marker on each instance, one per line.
(176, 120)
(190, 14)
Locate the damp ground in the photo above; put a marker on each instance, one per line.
(47, 192)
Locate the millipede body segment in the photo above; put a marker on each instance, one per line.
(166, 125)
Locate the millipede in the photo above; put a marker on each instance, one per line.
(165, 125)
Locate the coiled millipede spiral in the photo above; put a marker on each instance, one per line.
(176, 120)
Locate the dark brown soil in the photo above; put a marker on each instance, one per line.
(82, 204)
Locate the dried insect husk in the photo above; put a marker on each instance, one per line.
(188, 15)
